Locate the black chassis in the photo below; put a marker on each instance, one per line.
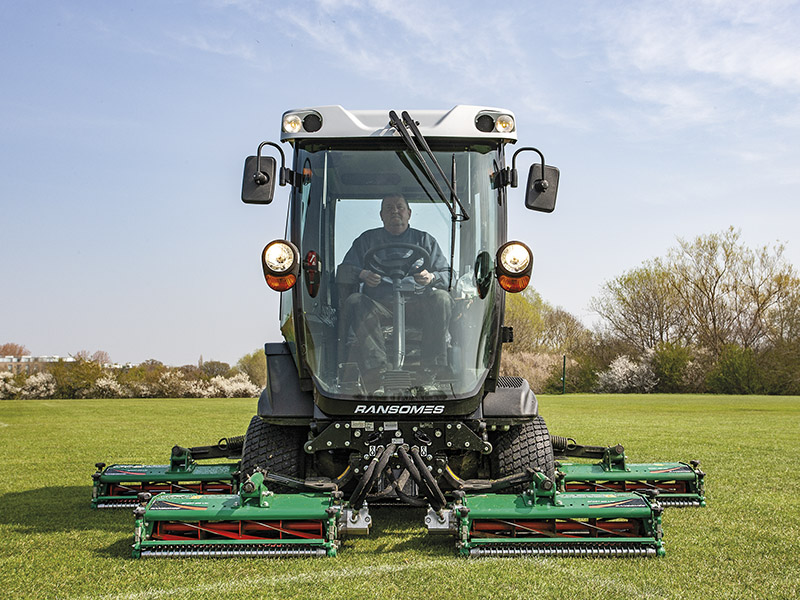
(443, 433)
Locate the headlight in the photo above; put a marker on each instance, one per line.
(281, 264)
(514, 266)
(309, 121)
(515, 258)
(292, 124)
(279, 257)
(504, 123)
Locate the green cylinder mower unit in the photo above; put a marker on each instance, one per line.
(543, 521)
(118, 485)
(253, 523)
(677, 484)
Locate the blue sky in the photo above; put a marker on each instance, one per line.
(124, 127)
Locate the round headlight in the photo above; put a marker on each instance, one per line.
(504, 123)
(515, 258)
(279, 257)
(292, 124)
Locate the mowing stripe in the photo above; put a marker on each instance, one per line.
(251, 582)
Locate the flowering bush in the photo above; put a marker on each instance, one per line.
(39, 385)
(108, 387)
(8, 386)
(238, 386)
(626, 376)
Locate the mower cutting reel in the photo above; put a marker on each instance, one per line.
(118, 485)
(677, 484)
(543, 521)
(253, 523)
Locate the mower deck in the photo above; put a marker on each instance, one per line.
(254, 523)
(544, 521)
(118, 486)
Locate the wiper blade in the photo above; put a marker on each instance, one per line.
(400, 126)
(412, 125)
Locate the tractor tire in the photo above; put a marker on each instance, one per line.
(276, 448)
(523, 446)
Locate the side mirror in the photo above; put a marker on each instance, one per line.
(258, 182)
(541, 190)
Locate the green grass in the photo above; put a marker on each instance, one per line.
(743, 545)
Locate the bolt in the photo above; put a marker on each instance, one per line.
(357, 433)
(428, 457)
(338, 425)
(458, 426)
(466, 444)
(438, 433)
(439, 471)
(347, 425)
(449, 444)
(414, 428)
(347, 442)
(449, 426)
(330, 443)
(398, 434)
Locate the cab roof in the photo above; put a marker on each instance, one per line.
(462, 121)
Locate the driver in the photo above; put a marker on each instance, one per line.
(429, 307)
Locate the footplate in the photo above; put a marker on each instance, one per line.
(544, 521)
(253, 523)
(677, 484)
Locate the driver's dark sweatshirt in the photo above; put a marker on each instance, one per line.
(354, 259)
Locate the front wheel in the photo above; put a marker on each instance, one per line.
(275, 448)
(523, 446)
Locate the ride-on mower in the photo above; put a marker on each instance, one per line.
(387, 386)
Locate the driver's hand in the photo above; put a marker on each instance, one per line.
(423, 277)
(369, 278)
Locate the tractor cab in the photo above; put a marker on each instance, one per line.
(395, 258)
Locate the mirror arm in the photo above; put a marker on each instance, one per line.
(541, 184)
(285, 174)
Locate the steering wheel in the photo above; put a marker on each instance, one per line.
(397, 260)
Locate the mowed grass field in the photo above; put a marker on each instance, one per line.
(745, 544)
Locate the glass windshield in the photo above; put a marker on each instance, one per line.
(395, 310)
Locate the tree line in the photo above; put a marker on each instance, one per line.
(92, 376)
(712, 316)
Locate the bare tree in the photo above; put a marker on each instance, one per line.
(642, 307)
(728, 290)
(101, 357)
(12, 349)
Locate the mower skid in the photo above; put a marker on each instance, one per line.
(254, 523)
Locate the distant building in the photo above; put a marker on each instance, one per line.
(29, 364)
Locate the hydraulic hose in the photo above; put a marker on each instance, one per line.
(434, 493)
(374, 470)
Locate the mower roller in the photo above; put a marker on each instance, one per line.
(386, 388)
(677, 484)
(118, 485)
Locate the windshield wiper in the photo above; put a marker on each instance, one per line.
(400, 126)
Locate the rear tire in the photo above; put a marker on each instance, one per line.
(523, 446)
(276, 448)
